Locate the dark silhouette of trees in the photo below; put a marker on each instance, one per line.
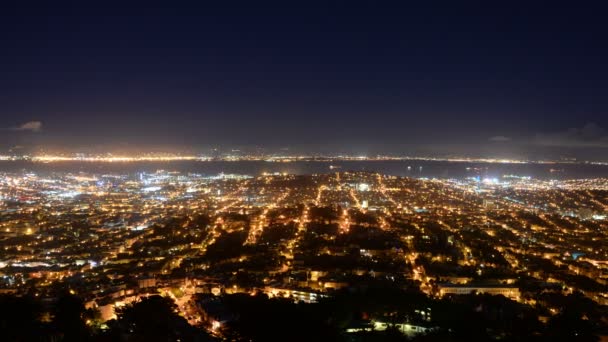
(153, 318)
(578, 320)
(264, 319)
(69, 318)
(27, 319)
(474, 317)
(20, 318)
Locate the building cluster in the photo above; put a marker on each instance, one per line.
(113, 238)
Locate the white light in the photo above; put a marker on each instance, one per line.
(363, 187)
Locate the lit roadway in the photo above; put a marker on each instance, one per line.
(256, 231)
(299, 234)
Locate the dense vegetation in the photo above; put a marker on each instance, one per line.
(259, 318)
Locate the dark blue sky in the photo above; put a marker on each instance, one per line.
(351, 76)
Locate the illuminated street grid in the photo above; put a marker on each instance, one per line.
(113, 238)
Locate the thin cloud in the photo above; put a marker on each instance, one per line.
(31, 126)
(590, 135)
(499, 138)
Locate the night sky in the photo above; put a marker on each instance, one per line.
(357, 77)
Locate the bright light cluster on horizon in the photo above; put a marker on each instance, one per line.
(108, 158)
(272, 158)
(121, 159)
